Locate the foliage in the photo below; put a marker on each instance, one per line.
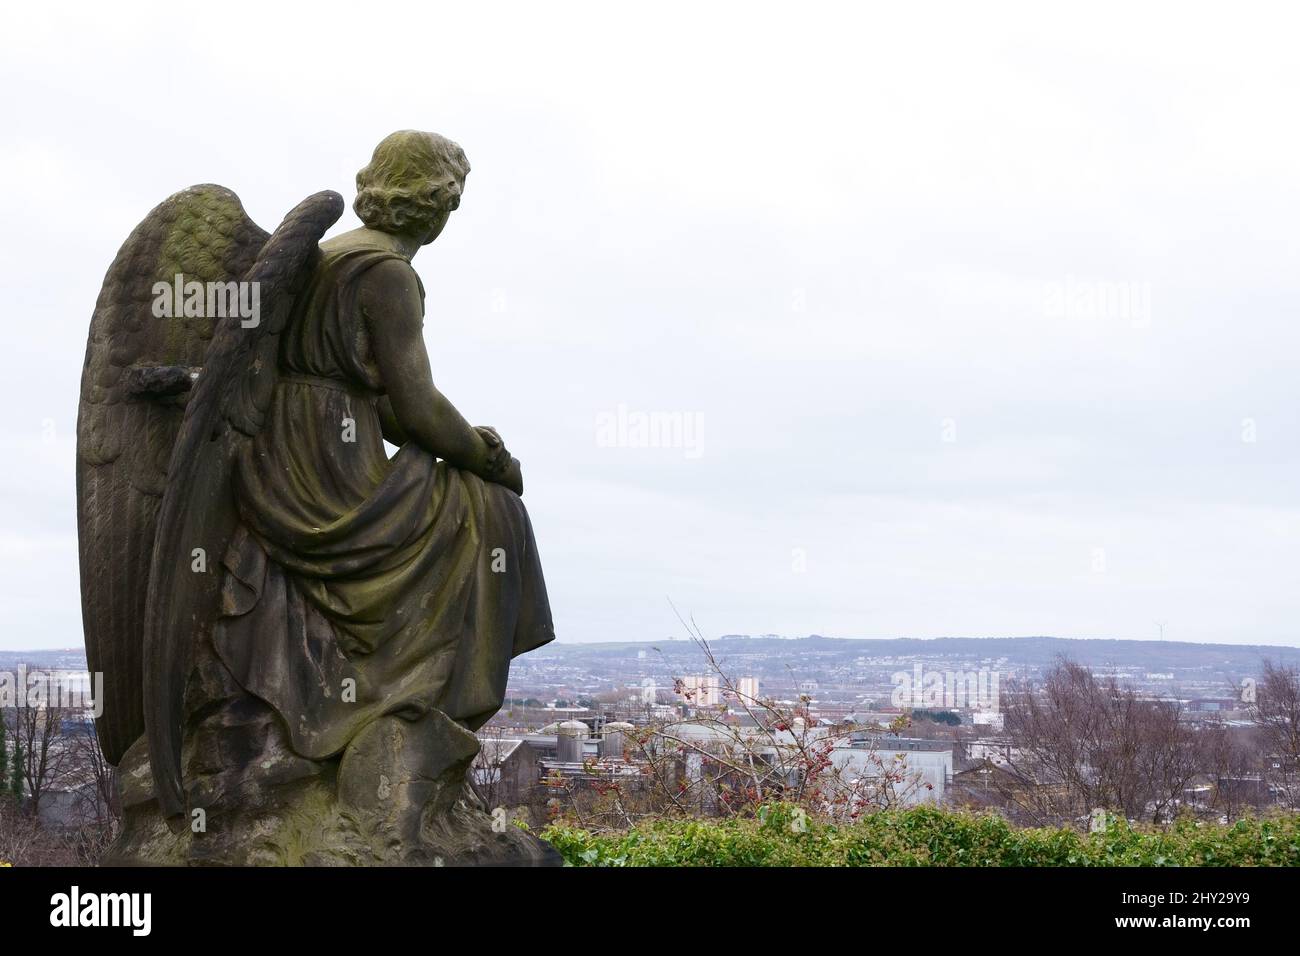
(782, 835)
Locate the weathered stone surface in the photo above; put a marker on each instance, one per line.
(398, 797)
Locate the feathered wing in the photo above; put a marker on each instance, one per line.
(134, 387)
(197, 515)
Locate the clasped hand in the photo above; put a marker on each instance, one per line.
(500, 466)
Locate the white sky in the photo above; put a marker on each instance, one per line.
(830, 234)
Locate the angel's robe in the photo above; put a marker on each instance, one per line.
(359, 585)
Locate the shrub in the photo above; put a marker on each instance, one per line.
(781, 835)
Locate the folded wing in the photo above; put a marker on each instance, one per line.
(134, 387)
(197, 514)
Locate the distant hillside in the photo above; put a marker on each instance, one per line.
(1042, 650)
(64, 658)
(1034, 651)
(1031, 651)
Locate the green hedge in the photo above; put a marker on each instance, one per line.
(926, 836)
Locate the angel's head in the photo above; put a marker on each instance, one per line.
(412, 184)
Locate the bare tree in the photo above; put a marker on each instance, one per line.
(1170, 758)
(1053, 729)
(95, 810)
(65, 755)
(1276, 713)
(487, 773)
(732, 759)
(1232, 763)
(1079, 742)
(38, 720)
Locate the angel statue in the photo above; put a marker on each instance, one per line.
(298, 634)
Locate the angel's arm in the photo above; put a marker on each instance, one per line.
(393, 431)
(390, 302)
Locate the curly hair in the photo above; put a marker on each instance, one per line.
(412, 178)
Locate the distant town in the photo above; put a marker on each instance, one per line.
(839, 676)
(844, 676)
(613, 730)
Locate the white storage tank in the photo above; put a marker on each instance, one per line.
(615, 739)
(569, 736)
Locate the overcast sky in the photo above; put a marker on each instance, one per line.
(977, 324)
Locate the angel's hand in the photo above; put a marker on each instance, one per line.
(513, 477)
(498, 457)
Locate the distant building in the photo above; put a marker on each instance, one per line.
(505, 770)
(707, 690)
(922, 768)
(920, 771)
(699, 690)
(747, 689)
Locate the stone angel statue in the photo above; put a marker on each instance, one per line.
(298, 634)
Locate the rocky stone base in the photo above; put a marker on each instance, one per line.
(398, 796)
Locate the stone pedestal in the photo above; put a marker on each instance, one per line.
(397, 796)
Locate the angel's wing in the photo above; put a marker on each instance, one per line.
(134, 387)
(226, 407)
